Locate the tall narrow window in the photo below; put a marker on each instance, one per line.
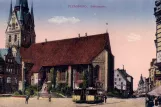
(9, 38)
(15, 38)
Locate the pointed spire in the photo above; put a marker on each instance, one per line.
(18, 3)
(25, 3)
(32, 14)
(10, 13)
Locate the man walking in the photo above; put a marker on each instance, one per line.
(105, 98)
(27, 98)
(49, 97)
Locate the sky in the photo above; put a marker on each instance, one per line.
(131, 27)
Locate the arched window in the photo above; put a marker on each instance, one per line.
(8, 79)
(15, 38)
(96, 72)
(9, 38)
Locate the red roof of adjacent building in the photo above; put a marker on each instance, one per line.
(81, 50)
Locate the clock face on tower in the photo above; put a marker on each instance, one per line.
(158, 57)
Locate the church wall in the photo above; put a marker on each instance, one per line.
(105, 61)
(100, 60)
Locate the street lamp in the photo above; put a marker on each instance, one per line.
(38, 89)
(24, 86)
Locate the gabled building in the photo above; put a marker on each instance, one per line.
(10, 71)
(123, 81)
(20, 27)
(71, 59)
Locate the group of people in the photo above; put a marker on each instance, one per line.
(153, 101)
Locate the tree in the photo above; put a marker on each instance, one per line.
(85, 80)
(53, 78)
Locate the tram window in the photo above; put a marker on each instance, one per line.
(78, 92)
(92, 92)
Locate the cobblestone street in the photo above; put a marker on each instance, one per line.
(67, 102)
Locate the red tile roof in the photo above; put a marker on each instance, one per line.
(66, 52)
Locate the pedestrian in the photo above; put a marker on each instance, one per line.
(27, 98)
(156, 102)
(49, 97)
(146, 101)
(105, 98)
(150, 103)
(38, 95)
(159, 101)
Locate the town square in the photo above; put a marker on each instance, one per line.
(67, 102)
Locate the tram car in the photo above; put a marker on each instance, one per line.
(93, 95)
(78, 95)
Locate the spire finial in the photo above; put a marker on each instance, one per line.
(107, 28)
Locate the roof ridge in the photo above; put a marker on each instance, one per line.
(73, 38)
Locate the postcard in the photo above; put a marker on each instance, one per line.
(80, 53)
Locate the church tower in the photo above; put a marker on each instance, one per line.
(20, 30)
(157, 13)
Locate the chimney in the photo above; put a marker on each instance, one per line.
(86, 34)
(123, 67)
(79, 35)
(46, 40)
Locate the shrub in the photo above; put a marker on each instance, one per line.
(20, 92)
(16, 93)
(31, 90)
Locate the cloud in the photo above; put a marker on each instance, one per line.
(62, 19)
(133, 37)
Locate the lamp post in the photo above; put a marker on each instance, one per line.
(38, 89)
(24, 86)
(23, 80)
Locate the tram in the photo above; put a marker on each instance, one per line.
(94, 95)
(78, 95)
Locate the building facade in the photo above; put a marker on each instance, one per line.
(123, 82)
(20, 27)
(154, 75)
(157, 13)
(90, 62)
(10, 71)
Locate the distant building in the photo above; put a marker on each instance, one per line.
(123, 81)
(154, 75)
(143, 85)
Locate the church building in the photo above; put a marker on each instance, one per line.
(72, 61)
